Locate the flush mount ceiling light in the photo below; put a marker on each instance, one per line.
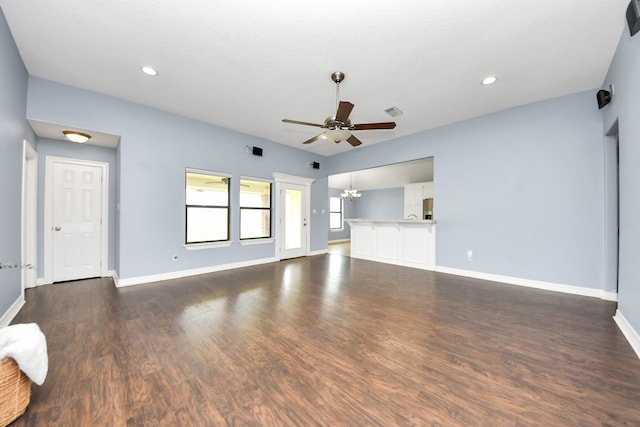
(149, 71)
(489, 80)
(74, 136)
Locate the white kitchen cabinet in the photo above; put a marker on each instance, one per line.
(413, 196)
(427, 190)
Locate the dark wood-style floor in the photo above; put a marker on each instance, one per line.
(329, 340)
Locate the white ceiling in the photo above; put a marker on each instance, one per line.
(390, 176)
(247, 64)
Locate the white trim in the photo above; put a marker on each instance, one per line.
(284, 180)
(537, 284)
(250, 242)
(205, 172)
(8, 316)
(629, 333)
(339, 241)
(186, 273)
(319, 252)
(208, 245)
(42, 282)
(48, 213)
(114, 275)
(290, 179)
(28, 226)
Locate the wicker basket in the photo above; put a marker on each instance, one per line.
(15, 391)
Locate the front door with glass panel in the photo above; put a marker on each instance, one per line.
(294, 217)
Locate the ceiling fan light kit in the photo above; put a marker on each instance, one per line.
(339, 127)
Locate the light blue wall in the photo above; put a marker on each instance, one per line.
(378, 204)
(624, 73)
(349, 211)
(50, 147)
(13, 130)
(155, 148)
(522, 188)
(385, 203)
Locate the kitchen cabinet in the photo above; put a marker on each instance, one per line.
(414, 194)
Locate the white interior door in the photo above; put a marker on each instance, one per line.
(76, 220)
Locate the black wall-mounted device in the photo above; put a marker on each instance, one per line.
(316, 165)
(633, 16)
(257, 151)
(604, 97)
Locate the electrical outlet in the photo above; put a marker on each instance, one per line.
(175, 257)
(469, 255)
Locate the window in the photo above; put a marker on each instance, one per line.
(255, 209)
(335, 213)
(207, 207)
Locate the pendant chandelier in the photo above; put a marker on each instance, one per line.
(350, 195)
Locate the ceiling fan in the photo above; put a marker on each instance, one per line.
(339, 127)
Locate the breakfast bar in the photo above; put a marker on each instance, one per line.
(410, 243)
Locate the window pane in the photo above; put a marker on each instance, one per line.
(293, 219)
(255, 223)
(335, 220)
(255, 209)
(335, 204)
(255, 194)
(203, 189)
(206, 224)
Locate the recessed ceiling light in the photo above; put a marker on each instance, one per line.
(489, 80)
(74, 136)
(149, 71)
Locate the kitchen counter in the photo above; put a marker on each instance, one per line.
(406, 242)
(391, 221)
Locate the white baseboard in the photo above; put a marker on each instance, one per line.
(41, 281)
(114, 275)
(629, 333)
(320, 252)
(8, 316)
(549, 286)
(131, 281)
(339, 241)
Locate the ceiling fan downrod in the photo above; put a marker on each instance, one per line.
(337, 77)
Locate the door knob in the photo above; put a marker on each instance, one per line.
(57, 229)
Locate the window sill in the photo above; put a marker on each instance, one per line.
(336, 230)
(198, 246)
(256, 241)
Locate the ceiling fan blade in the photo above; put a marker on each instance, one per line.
(315, 138)
(354, 141)
(296, 122)
(344, 109)
(373, 126)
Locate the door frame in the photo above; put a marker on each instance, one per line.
(281, 181)
(29, 227)
(611, 243)
(48, 213)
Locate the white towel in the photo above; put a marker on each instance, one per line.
(27, 345)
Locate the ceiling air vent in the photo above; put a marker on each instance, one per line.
(393, 111)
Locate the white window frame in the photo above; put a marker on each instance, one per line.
(271, 224)
(341, 213)
(216, 243)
